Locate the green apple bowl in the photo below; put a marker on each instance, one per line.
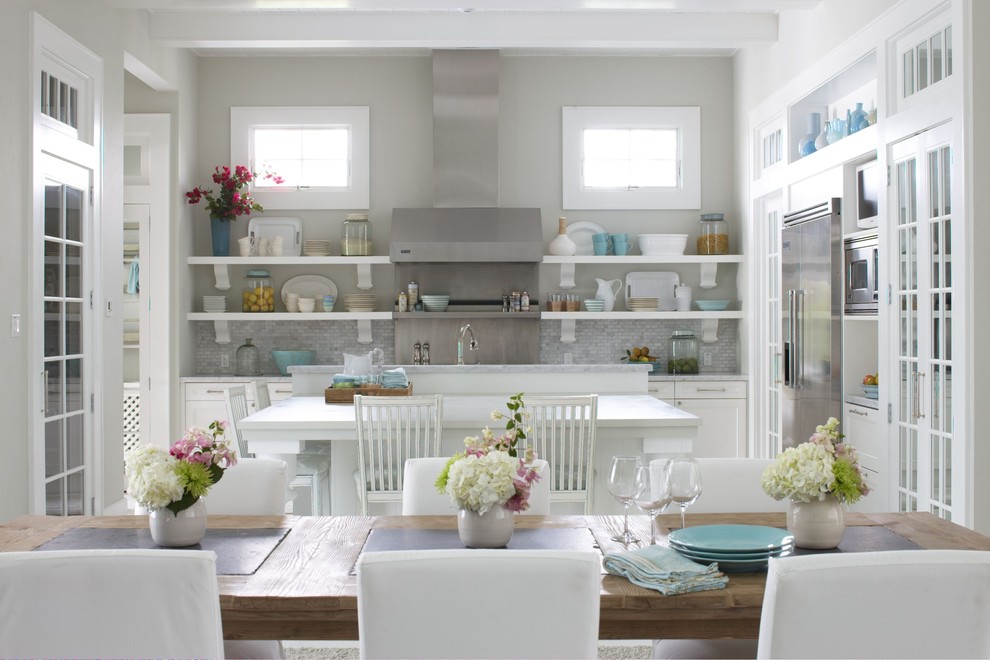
(286, 359)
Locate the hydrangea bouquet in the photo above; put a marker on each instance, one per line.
(489, 472)
(824, 465)
(175, 479)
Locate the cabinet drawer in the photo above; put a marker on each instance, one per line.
(662, 389)
(710, 389)
(861, 413)
(206, 391)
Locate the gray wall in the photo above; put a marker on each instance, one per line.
(532, 92)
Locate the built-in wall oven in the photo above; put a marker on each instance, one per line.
(862, 263)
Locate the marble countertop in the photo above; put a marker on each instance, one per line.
(659, 378)
(863, 401)
(483, 368)
(227, 378)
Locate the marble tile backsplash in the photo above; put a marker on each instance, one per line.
(597, 342)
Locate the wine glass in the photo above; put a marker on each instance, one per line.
(655, 496)
(685, 483)
(625, 487)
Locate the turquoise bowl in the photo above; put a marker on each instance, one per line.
(286, 359)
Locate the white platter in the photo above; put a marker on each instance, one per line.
(653, 284)
(290, 229)
(581, 233)
(309, 286)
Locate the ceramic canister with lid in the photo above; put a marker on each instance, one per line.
(258, 292)
(682, 353)
(355, 235)
(714, 237)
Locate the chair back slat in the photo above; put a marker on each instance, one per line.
(262, 397)
(562, 431)
(391, 430)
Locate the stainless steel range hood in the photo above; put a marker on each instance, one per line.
(465, 223)
(466, 234)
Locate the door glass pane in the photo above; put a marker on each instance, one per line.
(921, 55)
(906, 381)
(934, 197)
(74, 443)
(935, 398)
(53, 210)
(73, 278)
(935, 328)
(73, 385)
(73, 328)
(936, 50)
(73, 214)
(945, 187)
(935, 492)
(53, 398)
(908, 81)
(948, 338)
(948, 51)
(53, 448)
(54, 500)
(53, 328)
(76, 501)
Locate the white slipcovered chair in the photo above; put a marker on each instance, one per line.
(562, 431)
(253, 487)
(391, 430)
(110, 604)
(462, 604)
(420, 496)
(732, 485)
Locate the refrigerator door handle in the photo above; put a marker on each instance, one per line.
(798, 358)
(789, 342)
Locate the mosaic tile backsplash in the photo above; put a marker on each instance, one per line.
(597, 342)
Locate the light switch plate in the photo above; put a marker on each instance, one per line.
(15, 325)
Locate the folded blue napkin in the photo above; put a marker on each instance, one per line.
(395, 378)
(344, 379)
(665, 570)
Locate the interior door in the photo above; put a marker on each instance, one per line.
(930, 457)
(66, 317)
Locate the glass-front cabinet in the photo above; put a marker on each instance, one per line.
(923, 413)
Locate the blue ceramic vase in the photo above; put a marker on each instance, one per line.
(220, 233)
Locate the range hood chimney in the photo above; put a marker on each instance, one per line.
(465, 128)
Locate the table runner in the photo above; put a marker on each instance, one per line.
(522, 539)
(239, 551)
(866, 539)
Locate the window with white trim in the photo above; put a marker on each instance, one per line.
(321, 154)
(631, 158)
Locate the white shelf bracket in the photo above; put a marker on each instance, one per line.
(567, 331)
(567, 276)
(222, 331)
(364, 331)
(708, 275)
(709, 330)
(364, 279)
(222, 276)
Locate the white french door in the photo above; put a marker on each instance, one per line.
(64, 451)
(766, 440)
(930, 458)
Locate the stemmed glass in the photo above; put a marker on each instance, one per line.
(655, 496)
(685, 483)
(625, 487)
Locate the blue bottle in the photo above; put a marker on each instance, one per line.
(858, 119)
(806, 145)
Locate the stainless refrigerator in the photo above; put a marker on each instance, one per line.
(811, 309)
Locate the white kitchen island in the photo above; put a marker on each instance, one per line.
(628, 422)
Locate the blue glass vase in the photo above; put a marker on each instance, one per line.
(806, 145)
(220, 233)
(858, 119)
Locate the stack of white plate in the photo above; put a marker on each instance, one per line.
(316, 248)
(214, 304)
(435, 302)
(640, 304)
(736, 548)
(359, 302)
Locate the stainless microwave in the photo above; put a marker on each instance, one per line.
(862, 261)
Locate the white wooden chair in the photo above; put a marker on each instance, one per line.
(563, 432)
(110, 604)
(312, 467)
(420, 496)
(420, 604)
(390, 430)
(235, 399)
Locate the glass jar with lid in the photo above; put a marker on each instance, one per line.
(258, 293)
(682, 353)
(714, 237)
(247, 360)
(355, 235)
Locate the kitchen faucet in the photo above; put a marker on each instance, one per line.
(472, 345)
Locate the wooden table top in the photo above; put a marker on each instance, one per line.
(306, 590)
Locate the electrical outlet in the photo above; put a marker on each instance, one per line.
(225, 361)
(707, 359)
(568, 358)
(15, 325)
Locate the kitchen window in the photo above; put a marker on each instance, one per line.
(321, 153)
(631, 158)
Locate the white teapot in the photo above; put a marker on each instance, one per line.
(607, 291)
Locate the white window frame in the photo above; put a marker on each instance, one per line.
(687, 122)
(357, 195)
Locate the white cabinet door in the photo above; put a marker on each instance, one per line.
(722, 433)
(203, 402)
(864, 431)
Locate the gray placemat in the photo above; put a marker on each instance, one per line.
(239, 551)
(867, 539)
(567, 538)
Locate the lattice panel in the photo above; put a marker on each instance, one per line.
(132, 419)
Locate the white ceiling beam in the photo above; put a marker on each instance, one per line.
(205, 30)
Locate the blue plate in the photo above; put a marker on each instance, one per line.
(738, 566)
(730, 539)
(732, 556)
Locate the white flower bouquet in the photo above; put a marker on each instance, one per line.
(822, 466)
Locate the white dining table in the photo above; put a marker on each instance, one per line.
(627, 423)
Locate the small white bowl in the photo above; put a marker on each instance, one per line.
(307, 304)
(662, 244)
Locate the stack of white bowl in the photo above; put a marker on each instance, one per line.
(360, 302)
(642, 304)
(594, 305)
(214, 304)
(433, 302)
(316, 248)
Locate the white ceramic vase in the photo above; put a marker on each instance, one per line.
(178, 530)
(818, 524)
(562, 245)
(493, 529)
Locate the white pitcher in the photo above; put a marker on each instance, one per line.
(607, 291)
(682, 296)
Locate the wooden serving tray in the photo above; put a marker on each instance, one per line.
(346, 394)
